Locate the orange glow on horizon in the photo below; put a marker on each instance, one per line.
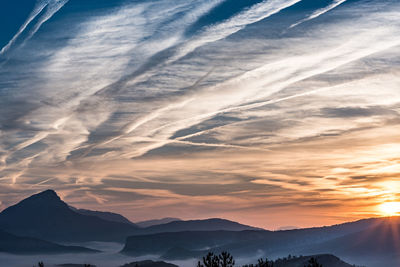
(390, 208)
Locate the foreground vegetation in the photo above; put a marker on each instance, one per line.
(225, 259)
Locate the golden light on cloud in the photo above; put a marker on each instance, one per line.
(390, 208)
(128, 122)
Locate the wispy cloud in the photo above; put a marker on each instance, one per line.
(126, 104)
(42, 12)
(319, 12)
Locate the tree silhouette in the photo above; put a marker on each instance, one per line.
(41, 264)
(210, 260)
(313, 263)
(266, 263)
(226, 259)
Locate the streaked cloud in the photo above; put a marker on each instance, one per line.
(320, 12)
(42, 12)
(143, 104)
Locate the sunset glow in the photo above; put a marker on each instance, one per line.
(390, 208)
(262, 111)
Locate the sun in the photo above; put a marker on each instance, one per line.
(390, 208)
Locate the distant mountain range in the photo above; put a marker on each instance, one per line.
(381, 238)
(213, 224)
(25, 245)
(149, 223)
(326, 260)
(44, 216)
(371, 237)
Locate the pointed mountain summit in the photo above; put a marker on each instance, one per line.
(48, 194)
(46, 216)
(44, 201)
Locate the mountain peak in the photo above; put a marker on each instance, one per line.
(47, 193)
(45, 216)
(40, 202)
(48, 196)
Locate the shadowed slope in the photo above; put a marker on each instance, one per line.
(149, 223)
(187, 244)
(107, 216)
(381, 240)
(46, 216)
(24, 245)
(213, 224)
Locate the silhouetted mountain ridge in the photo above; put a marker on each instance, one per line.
(46, 216)
(212, 224)
(349, 239)
(105, 215)
(381, 238)
(154, 222)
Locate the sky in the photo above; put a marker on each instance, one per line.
(274, 113)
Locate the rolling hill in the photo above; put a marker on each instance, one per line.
(380, 243)
(377, 235)
(213, 224)
(10, 243)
